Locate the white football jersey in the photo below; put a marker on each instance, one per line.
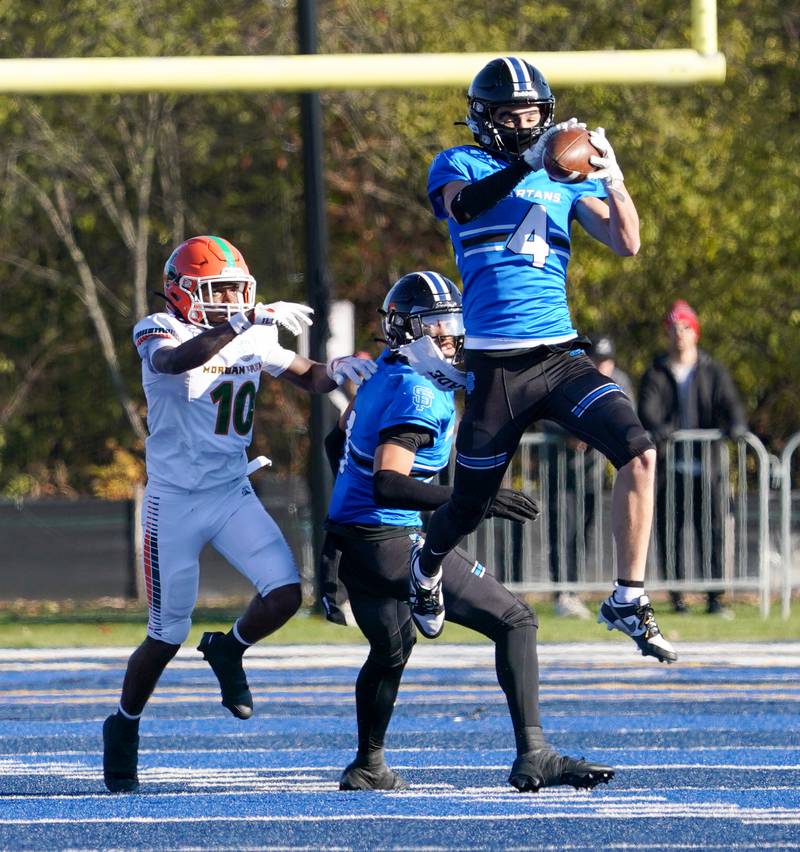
(201, 421)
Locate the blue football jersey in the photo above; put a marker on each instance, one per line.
(512, 258)
(394, 396)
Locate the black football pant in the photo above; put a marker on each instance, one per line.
(375, 574)
(505, 396)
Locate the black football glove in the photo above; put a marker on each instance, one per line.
(513, 506)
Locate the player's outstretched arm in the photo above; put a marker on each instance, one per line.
(316, 377)
(394, 488)
(195, 352)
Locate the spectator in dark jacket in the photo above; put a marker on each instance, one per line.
(687, 389)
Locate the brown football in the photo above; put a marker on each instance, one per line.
(566, 155)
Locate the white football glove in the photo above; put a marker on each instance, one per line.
(533, 156)
(290, 315)
(427, 359)
(358, 370)
(607, 169)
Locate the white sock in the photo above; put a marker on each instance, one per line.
(627, 594)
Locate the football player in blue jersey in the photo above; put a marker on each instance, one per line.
(395, 437)
(510, 225)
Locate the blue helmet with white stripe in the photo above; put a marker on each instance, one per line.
(420, 304)
(508, 81)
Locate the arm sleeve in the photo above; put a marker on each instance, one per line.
(476, 198)
(485, 185)
(397, 491)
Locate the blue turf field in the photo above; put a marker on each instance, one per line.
(708, 753)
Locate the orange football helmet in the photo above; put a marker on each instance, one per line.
(194, 268)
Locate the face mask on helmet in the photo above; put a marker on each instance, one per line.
(424, 304)
(508, 82)
(206, 281)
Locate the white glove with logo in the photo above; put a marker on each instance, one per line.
(427, 359)
(533, 156)
(358, 370)
(608, 170)
(290, 315)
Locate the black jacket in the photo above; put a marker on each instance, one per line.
(718, 402)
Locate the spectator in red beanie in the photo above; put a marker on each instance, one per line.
(682, 313)
(687, 389)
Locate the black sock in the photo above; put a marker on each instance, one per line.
(376, 691)
(517, 666)
(144, 669)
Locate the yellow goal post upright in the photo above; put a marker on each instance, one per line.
(702, 63)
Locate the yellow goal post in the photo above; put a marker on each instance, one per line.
(702, 63)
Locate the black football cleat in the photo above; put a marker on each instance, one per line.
(120, 758)
(544, 767)
(638, 621)
(236, 695)
(360, 775)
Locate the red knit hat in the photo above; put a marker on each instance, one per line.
(681, 311)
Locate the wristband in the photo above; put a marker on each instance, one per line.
(239, 323)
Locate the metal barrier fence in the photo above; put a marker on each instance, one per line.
(711, 531)
(790, 520)
(719, 526)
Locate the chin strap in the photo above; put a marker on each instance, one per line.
(426, 358)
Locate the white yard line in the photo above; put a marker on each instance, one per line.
(617, 655)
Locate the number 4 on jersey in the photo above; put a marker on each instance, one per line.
(530, 236)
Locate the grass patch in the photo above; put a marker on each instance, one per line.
(26, 624)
